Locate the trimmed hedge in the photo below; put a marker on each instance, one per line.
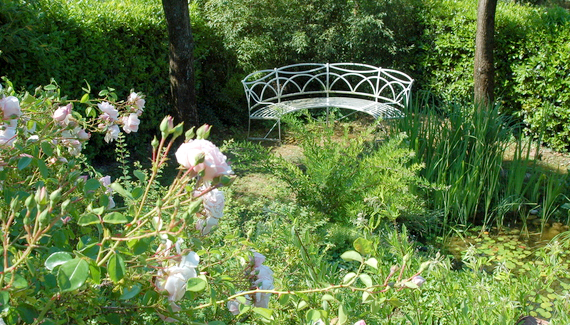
(75, 43)
(542, 77)
(532, 62)
(110, 44)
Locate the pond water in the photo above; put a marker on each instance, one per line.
(520, 253)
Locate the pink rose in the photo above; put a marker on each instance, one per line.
(258, 259)
(10, 107)
(139, 102)
(264, 282)
(82, 134)
(73, 146)
(131, 123)
(106, 182)
(418, 280)
(190, 153)
(206, 225)
(109, 111)
(61, 113)
(233, 305)
(360, 322)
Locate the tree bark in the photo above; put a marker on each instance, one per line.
(484, 78)
(181, 57)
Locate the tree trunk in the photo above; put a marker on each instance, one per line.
(484, 79)
(181, 57)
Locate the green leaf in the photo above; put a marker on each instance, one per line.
(84, 98)
(196, 284)
(312, 316)
(365, 296)
(116, 268)
(122, 192)
(243, 309)
(28, 99)
(327, 297)
(351, 256)
(24, 162)
(44, 171)
(98, 211)
(92, 184)
(128, 293)
(372, 262)
(88, 219)
(366, 279)
(363, 246)
(264, 312)
(4, 301)
(395, 302)
(56, 259)
(72, 274)
(137, 192)
(141, 245)
(411, 285)
(95, 273)
(19, 281)
(27, 312)
(348, 277)
(302, 305)
(140, 175)
(115, 218)
(342, 318)
(195, 206)
(90, 111)
(47, 148)
(150, 297)
(284, 299)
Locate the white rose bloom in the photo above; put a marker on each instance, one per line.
(7, 134)
(214, 203)
(131, 123)
(173, 279)
(109, 111)
(112, 133)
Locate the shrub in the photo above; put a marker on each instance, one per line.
(275, 33)
(342, 177)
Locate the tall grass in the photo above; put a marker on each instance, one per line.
(463, 148)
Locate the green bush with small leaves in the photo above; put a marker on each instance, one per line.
(344, 176)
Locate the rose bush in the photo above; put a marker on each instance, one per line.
(78, 246)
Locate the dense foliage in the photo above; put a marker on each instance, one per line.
(76, 42)
(123, 45)
(530, 60)
(343, 176)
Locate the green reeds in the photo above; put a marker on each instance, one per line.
(463, 148)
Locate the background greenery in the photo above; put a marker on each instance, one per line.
(123, 44)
